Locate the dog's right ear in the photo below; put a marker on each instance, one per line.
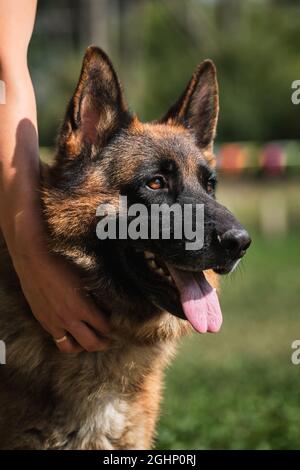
(97, 109)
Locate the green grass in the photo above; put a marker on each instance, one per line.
(238, 389)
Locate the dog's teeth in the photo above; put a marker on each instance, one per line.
(160, 271)
(148, 255)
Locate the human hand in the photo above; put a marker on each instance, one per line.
(52, 290)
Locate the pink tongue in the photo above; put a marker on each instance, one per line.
(199, 300)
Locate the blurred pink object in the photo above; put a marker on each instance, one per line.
(273, 159)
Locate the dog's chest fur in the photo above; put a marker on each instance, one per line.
(116, 404)
(108, 423)
(80, 405)
(104, 400)
(100, 424)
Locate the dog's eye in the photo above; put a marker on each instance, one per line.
(211, 184)
(158, 182)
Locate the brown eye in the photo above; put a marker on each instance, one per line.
(158, 182)
(211, 185)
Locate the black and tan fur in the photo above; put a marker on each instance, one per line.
(109, 400)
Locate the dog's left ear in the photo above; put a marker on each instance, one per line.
(98, 108)
(198, 106)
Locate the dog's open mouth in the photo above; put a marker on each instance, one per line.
(198, 298)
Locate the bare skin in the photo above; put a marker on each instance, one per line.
(50, 287)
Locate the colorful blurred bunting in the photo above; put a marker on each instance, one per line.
(272, 158)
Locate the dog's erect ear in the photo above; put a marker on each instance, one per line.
(198, 106)
(97, 109)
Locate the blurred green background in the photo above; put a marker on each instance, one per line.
(237, 389)
(156, 44)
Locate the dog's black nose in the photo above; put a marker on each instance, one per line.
(236, 241)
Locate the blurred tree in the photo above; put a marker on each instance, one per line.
(156, 44)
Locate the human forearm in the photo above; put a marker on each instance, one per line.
(19, 159)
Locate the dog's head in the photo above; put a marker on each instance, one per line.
(105, 152)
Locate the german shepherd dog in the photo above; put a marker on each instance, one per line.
(154, 290)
